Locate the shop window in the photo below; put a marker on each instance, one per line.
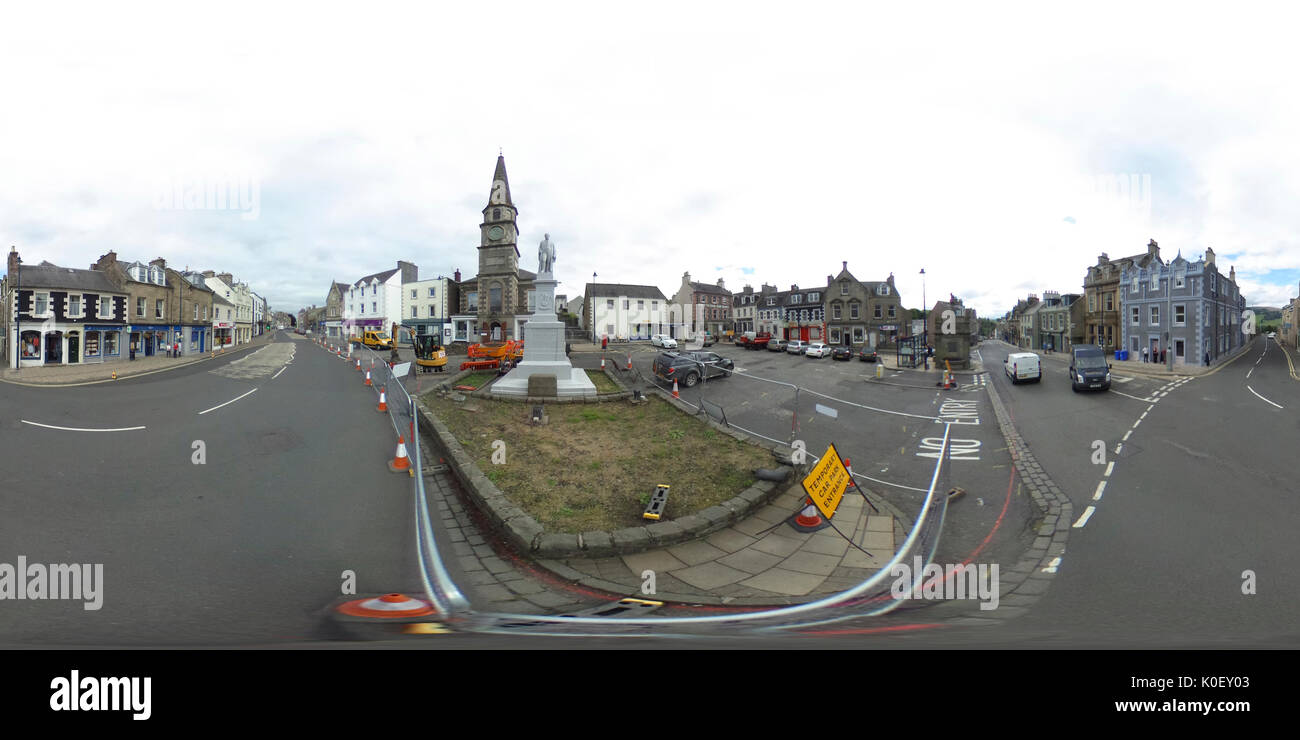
(30, 341)
(110, 343)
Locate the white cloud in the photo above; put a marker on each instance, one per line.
(654, 142)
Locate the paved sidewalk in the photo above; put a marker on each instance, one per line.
(82, 373)
(758, 561)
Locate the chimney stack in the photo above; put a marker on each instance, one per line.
(1209, 257)
(160, 263)
(721, 285)
(457, 275)
(846, 265)
(13, 262)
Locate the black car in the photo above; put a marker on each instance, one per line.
(868, 354)
(688, 367)
(842, 353)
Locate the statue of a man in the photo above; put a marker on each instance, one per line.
(545, 255)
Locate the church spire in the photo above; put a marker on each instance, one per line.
(500, 183)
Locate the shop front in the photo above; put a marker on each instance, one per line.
(102, 343)
(148, 340)
(222, 333)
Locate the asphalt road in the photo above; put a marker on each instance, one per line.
(249, 547)
(1202, 491)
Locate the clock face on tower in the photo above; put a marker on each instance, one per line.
(496, 232)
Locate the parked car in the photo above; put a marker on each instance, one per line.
(1024, 366)
(796, 346)
(1088, 368)
(709, 340)
(842, 353)
(776, 345)
(688, 367)
(663, 340)
(818, 350)
(868, 354)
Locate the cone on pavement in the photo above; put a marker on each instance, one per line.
(358, 364)
(401, 463)
(629, 361)
(368, 377)
(383, 399)
(675, 393)
(809, 517)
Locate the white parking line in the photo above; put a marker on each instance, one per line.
(227, 403)
(1135, 398)
(1265, 400)
(277, 372)
(80, 429)
(1110, 468)
(1101, 487)
(1087, 514)
(1126, 435)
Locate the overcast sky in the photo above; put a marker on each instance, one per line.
(747, 142)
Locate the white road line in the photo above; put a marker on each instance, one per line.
(1249, 373)
(1119, 447)
(1101, 487)
(1265, 400)
(1052, 566)
(277, 372)
(80, 429)
(1135, 398)
(1126, 435)
(1135, 424)
(1143, 416)
(227, 403)
(1087, 514)
(1110, 468)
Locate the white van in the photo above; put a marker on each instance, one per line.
(1024, 366)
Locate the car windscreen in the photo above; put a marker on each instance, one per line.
(1090, 362)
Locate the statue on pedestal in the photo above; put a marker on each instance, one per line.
(545, 256)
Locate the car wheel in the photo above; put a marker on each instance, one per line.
(692, 379)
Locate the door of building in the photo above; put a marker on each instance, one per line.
(54, 347)
(74, 346)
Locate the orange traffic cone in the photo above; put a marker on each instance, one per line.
(401, 463)
(602, 363)
(367, 377)
(675, 394)
(629, 362)
(388, 606)
(358, 364)
(383, 399)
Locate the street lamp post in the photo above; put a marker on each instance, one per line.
(592, 298)
(18, 321)
(925, 312)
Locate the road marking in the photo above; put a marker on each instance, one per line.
(1126, 435)
(1101, 487)
(1144, 414)
(1052, 566)
(1135, 398)
(1087, 514)
(1119, 447)
(1265, 400)
(80, 429)
(1248, 374)
(1121, 379)
(277, 372)
(1139, 421)
(227, 403)
(1110, 468)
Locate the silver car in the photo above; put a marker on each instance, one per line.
(796, 347)
(818, 350)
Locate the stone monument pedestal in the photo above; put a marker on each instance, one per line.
(544, 352)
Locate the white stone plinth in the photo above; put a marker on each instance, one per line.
(544, 352)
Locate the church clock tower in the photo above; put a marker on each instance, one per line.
(498, 260)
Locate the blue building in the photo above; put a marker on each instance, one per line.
(1189, 310)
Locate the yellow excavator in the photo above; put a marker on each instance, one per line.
(430, 356)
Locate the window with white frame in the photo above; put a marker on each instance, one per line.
(879, 313)
(844, 288)
(835, 311)
(1154, 316)
(415, 294)
(74, 306)
(105, 308)
(415, 312)
(433, 292)
(1136, 283)
(1180, 314)
(893, 311)
(1135, 317)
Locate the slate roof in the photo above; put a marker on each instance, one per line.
(46, 275)
(622, 290)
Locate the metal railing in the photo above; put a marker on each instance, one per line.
(402, 411)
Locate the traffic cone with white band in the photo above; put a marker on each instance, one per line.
(675, 394)
(383, 399)
(368, 378)
(401, 463)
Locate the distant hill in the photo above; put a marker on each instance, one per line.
(1266, 312)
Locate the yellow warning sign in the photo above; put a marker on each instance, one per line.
(826, 484)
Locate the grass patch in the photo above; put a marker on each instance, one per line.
(594, 467)
(603, 383)
(478, 380)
